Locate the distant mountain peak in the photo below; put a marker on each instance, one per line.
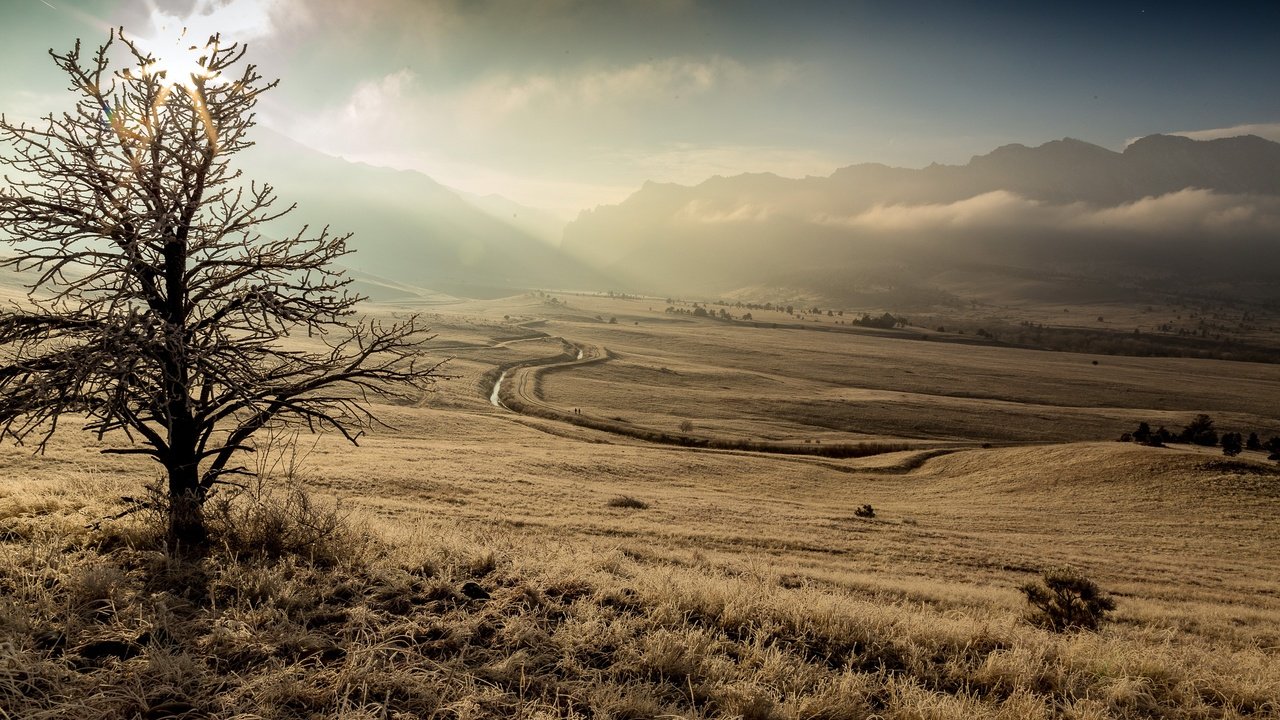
(1167, 142)
(1053, 148)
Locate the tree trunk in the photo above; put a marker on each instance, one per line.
(187, 533)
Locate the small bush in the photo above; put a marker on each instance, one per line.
(628, 502)
(1232, 444)
(866, 511)
(1143, 433)
(273, 522)
(1065, 600)
(686, 426)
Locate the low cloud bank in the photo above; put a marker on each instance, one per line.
(1188, 212)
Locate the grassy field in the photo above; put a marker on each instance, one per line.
(795, 385)
(731, 584)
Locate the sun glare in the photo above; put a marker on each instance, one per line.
(178, 61)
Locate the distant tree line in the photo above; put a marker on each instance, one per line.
(886, 321)
(702, 312)
(780, 306)
(695, 309)
(1135, 343)
(1201, 431)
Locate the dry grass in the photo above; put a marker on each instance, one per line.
(758, 384)
(100, 624)
(628, 502)
(747, 588)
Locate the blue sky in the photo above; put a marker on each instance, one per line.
(565, 104)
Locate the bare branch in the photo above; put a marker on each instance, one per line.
(156, 309)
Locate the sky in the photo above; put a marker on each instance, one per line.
(568, 104)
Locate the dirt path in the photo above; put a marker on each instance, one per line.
(518, 389)
(524, 391)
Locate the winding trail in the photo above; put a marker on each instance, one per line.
(524, 391)
(517, 389)
(497, 386)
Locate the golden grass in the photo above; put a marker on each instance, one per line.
(98, 624)
(746, 588)
(795, 386)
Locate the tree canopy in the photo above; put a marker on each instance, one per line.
(156, 309)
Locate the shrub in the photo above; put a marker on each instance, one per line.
(277, 521)
(686, 426)
(1232, 444)
(1143, 433)
(628, 502)
(1200, 431)
(866, 511)
(1064, 600)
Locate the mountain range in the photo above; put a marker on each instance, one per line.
(1065, 215)
(1066, 220)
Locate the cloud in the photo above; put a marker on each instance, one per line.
(495, 98)
(1190, 212)
(711, 213)
(377, 108)
(380, 114)
(236, 20)
(1269, 131)
(375, 101)
(553, 128)
(999, 209)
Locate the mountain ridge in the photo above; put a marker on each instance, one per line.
(1064, 206)
(408, 226)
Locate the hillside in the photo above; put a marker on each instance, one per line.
(484, 605)
(410, 228)
(1067, 213)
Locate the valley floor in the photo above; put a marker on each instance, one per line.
(741, 584)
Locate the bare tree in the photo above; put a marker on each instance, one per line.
(156, 310)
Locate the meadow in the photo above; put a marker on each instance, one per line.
(472, 561)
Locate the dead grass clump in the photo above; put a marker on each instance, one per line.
(275, 522)
(628, 502)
